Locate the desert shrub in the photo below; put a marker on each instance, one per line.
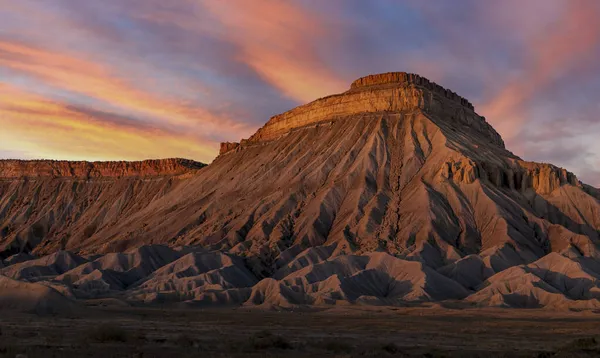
(184, 340)
(108, 333)
(336, 346)
(391, 348)
(583, 343)
(434, 353)
(266, 340)
(9, 351)
(588, 345)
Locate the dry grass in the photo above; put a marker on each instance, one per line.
(107, 333)
(236, 333)
(266, 340)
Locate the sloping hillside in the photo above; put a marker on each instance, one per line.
(394, 191)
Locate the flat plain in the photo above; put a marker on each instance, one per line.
(350, 331)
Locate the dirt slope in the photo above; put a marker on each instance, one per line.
(396, 166)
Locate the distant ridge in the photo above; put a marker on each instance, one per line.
(82, 169)
(394, 192)
(387, 92)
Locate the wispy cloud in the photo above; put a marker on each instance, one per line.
(566, 51)
(277, 39)
(44, 128)
(148, 78)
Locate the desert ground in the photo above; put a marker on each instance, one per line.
(394, 193)
(351, 331)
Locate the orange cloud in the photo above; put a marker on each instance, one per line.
(558, 51)
(43, 128)
(277, 39)
(95, 80)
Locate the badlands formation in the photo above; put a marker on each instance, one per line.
(394, 192)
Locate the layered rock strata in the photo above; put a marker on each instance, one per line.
(387, 92)
(518, 175)
(55, 168)
(228, 147)
(393, 192)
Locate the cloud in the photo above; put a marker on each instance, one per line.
(277, 39)
(207, 71)
(113, 64)
(566, 51)
(43, 128)
(97, 81)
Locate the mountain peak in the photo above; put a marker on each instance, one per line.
(392, 92)
(407, 79)
(367, 193)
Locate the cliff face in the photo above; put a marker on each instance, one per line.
(228, 147)
(395, 165)
(46, 204)
(388, 92)
(53, 168)
(516, 175)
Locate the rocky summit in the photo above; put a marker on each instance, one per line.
(393, 192)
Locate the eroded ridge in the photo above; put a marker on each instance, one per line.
(82, 169)
(394, 78)
(388, 92)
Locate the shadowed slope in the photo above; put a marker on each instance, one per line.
(396, 165)
(51, 205)
(401, 183)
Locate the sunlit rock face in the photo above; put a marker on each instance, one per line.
(56, 168)
(388, 92)
(393, 191)
(228, 147)
(47, 205)
(519, 175)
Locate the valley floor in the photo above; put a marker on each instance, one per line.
(333, 332)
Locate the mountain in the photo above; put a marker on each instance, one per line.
(47, 205)
(394, 191)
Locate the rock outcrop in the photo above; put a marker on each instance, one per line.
(62, 168)
(48, 205)
(228, 147)
(517, 175)
(395, 191)
(388, 92)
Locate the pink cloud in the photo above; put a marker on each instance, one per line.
(45, 128)
(565, 48)
(277, 39)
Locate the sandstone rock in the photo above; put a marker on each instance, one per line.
(389, 92)
(395, 191)
(228, 147)
(518, 175)
(18, 296)
(54, 168)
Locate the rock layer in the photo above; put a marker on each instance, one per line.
(389, 92)
(517, 175)
(395, 191)
(228, 147)
(54, 168)
(49, 205)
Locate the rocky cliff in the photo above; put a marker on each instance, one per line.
(515, 175)
(228, 147)
(46, 203)
(395, 191)
(388, 92)
(55, 168)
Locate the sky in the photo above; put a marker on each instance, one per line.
(138, 79)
